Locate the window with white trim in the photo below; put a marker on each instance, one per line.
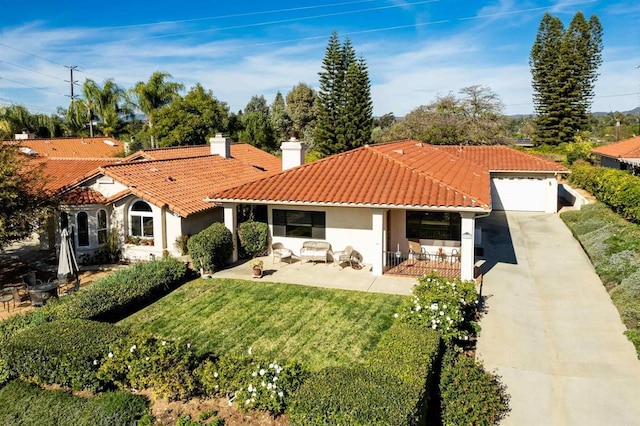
(102, 226)
(83, 229)
(299, 223)
(141, 220)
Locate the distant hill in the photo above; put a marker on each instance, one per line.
(635, 111)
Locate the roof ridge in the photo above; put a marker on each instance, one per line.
(164, 160)
(427, 175)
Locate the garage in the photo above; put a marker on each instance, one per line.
(524, 193)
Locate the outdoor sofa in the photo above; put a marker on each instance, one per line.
(315, 251)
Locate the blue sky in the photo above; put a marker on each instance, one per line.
(416, 50)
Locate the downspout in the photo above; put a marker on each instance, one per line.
(165, 252)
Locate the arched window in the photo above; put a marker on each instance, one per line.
(102, 226)
(83, 229)
(64, 221)
(141, 220)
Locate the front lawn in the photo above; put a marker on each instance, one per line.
(320, 327)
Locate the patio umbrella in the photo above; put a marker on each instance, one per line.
(67, 263)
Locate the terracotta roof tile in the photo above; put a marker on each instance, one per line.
(628, 148)
(244, 152)
(503, 158)
(182, 184)
(72, 147)
(407, 173)
(81, 196)
(64, 173)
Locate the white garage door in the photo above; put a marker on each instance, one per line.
(519, 194)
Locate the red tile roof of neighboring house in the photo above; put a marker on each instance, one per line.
(241, 151)
(72, 147)
(628, 148)
(500, 158)
(80, 196)
(406, 173)
(182, 184)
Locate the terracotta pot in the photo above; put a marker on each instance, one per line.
(257, 271)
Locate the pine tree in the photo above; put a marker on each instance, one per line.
(280, 120)
(564, 66)
(344, 109)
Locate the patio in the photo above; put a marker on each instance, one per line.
(319, 274)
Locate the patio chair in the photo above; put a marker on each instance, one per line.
(29, 280)
(6, 298)
(416, 252)
(281, 252)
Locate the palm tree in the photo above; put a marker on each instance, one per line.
(103, 103)
(154, 94)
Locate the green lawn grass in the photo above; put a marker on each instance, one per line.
(320, 327)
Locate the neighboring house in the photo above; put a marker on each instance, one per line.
(623, 155)
(97, 147)
(154, 197)
(378, 198)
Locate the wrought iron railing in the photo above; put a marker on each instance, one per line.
(419, 264)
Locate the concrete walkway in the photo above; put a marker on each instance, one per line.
(322, 275)
(551, 330)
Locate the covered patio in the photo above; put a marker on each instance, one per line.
(326, 275)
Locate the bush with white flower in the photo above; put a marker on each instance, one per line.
(142, 362)
(442, 304)
(251, 381)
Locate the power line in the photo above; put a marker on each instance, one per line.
(31, 54)
(30, 70)
(12, 102)
(29, 85)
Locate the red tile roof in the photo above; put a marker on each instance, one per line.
(63, 173)
(628, 148)
(182, 184)
(72, 147)
(500, 158)
(402, 174)
(81, 196)
(244, 152)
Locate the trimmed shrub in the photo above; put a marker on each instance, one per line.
(121, 292)
(392, 388)
(64, 352)
(410, 354)
(142, 362)
(211, 248)
(253, 237)
(350, 396)
(470, 395)
(255, 382)
(23, 403)
(443, 304)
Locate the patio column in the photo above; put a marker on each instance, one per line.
(231, 222)
(378, 238)
(467, 261)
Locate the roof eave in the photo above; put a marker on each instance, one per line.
(480, 208)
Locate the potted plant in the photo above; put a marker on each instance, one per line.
(256, 265)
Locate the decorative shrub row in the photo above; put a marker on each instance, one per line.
(64, 352)
(253, 382)
(211, 248)
(447, 305)
(390, 389)
(22, 403)
(469, 394)
(109, 298)
(616, 188)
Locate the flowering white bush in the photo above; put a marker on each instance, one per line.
(442, 304)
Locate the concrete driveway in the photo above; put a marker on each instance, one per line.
(551, 330)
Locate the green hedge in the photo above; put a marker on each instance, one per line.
(469, 394)
(253, 237)
(616, 188)
(109, 298)
(27, 404)
(211, 248)
(65, 352)
(392, 388)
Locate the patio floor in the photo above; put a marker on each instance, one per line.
(318, 274)
(418, 268)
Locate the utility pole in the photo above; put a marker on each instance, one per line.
(71, 81)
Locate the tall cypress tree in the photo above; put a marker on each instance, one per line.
(344, 110)
(564, 66)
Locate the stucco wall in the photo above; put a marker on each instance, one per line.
(344, 226)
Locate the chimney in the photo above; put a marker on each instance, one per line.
(220, 146)
(293, 152)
